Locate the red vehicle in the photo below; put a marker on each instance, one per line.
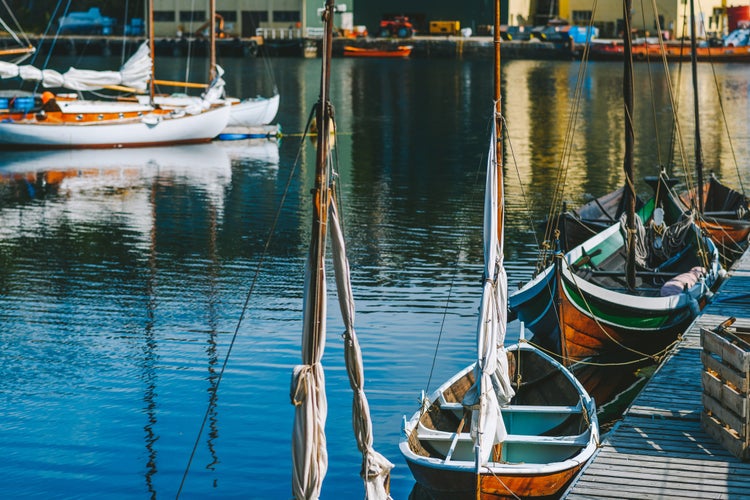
(398, 26)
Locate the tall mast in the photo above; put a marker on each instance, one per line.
(498, 126)
(151, 49)
(212, 40)
(698, 148)
(627, 92)
(309, 456)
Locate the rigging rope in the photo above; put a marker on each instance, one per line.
(253, 282)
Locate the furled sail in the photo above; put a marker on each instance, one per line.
(135, 74)
(492, 387)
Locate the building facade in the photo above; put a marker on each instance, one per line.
(243, 17)
(240, 17)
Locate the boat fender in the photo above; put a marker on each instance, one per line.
(151, 120)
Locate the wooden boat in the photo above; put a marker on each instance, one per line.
(576, 225)
(673, 51)
(605, 299)
(309, 456)
(552, 431)
(400, 51)
(724, 215)
(515, 423)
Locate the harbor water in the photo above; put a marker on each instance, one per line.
(125, 273)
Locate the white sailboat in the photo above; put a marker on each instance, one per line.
(58, 122)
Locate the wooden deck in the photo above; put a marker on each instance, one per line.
(659, 449)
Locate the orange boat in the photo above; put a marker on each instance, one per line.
(400, 51)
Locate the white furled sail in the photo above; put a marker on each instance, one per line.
(375, 467)
(309, 453)
(492, 386)
(135, 74)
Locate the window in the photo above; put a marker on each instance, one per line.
(189, 16)
(286, 16)
(164, 16)
(581, 16)
(230, 16)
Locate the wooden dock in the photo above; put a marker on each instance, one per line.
(659, 449)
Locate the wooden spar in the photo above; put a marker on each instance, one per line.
(14, 52)
(172, 83)
(498, 126)
(151, 49)
(627, 91)
(321, 197)
(212, 40)
(698, 148)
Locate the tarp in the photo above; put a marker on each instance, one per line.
(135, 74)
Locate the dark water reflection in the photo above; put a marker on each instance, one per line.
(124, 273)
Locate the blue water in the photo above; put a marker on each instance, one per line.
(123, 274)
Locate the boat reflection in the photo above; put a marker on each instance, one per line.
(252, 150)
(27, 175)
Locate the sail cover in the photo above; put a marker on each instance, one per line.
(375, 467)
(135, 73)
(492, 387)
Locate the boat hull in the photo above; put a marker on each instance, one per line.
(552, 431)
(398, 52)
(456, 485)
(148, 130)
(576, 317)
(254, 112)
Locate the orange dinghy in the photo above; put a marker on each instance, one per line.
(400, 51)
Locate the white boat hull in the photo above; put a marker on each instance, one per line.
(148, 130)
(254, 112)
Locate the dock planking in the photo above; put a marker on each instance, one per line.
(659, 449)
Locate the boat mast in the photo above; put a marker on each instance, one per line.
(627, 92)
(212, 41)
(498, 126)
(309, 454)
(151, 49)
(698, 148)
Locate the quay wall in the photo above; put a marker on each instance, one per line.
(423, 46)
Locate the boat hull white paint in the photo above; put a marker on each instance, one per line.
(149, 130)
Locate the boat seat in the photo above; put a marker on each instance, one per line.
(460, 446)
(458, 407)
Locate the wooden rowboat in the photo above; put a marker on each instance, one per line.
(400, 51)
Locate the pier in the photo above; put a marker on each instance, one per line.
(660, 449)
(291, 43)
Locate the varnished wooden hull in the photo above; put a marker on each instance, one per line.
(595, 318)
(461, 485)
(593, 327)
(726, 217)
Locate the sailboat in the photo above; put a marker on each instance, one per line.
(58, 122)
(515, 423)
(722, 212)
(309, 455)
(245, 113)
(630, 289)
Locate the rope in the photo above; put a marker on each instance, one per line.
(254, 281)
(448, 299)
